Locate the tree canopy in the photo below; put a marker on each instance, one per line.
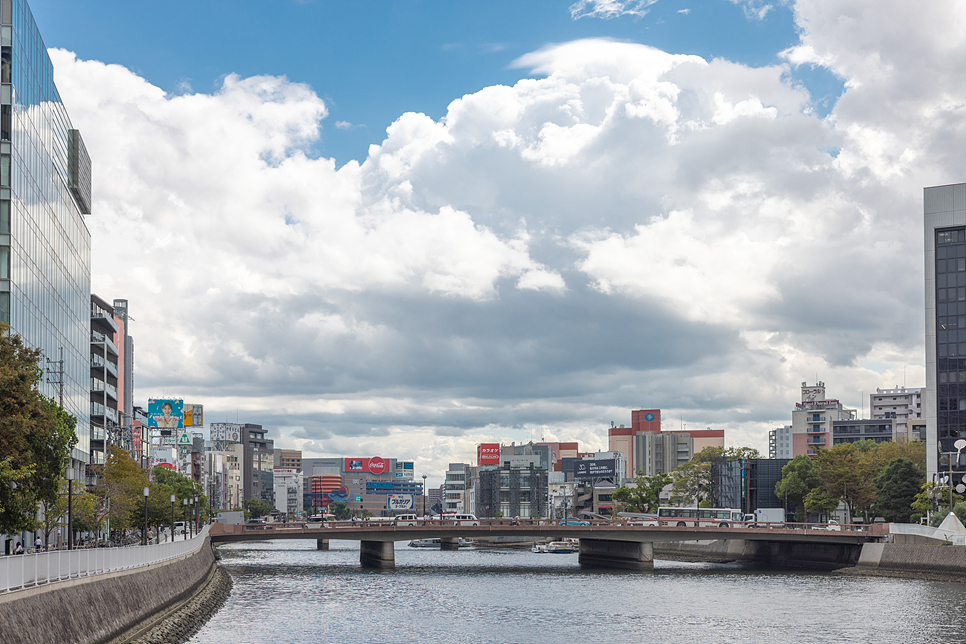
(897, 486)
(693, 480)
(36, 436)
(644, 495)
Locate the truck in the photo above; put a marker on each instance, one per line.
(764, 516)
(232, 518)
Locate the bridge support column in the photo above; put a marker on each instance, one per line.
(377, 554)
(321, 544)
(627, 555)
(449, 543)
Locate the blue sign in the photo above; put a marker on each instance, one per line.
(648, 416)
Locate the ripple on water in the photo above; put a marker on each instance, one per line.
(287, 591)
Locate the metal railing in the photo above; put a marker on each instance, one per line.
(19, 572)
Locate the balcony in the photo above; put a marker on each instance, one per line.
(100, 365)
(100, 338)
(99, 412)
(815, 440)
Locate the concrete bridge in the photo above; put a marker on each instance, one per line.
(602, 544)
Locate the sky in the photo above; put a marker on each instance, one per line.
(404, 228)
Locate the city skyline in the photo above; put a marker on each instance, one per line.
(641, 216)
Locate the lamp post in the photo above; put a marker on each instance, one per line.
(191, 517)
(173, 499)
(959, 445)
(144, 537)
(424, 495)
(198, 514)
(184, 520)
(71, 476)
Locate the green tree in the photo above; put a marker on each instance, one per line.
(36, 436)
(183, 487)
(120, 489)
(799, 477)
(258, 508)
(817, 501)
(645, 495)
(341, 510)
(846, 474)
(897, 486)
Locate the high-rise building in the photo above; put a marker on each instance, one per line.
(45, 189)
(944, 399)
(258, 470)
(780, 442)
(812, 420)
(902, 404)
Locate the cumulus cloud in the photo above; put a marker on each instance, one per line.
(624, 228)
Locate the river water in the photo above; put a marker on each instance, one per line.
(288, 592)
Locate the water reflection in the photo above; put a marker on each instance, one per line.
(286, 591)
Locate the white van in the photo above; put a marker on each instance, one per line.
(406, 519)
(466, 519)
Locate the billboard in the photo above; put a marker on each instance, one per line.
(374, 465)
(229, 432)
(165, 413)
(194, 416)
(488, 454)
(592, 469)
(399, 501)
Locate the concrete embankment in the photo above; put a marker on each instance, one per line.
(113, 607)
(920, 561)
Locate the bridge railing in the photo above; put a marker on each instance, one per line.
(18, 572)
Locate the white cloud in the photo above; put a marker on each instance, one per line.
(608, 9)
(627, 228)
(343, 125)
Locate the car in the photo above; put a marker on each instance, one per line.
(254, 521)
(574, 522)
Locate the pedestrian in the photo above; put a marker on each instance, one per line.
(39, 544)
(19, 549)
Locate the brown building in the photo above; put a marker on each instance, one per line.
(289, 459)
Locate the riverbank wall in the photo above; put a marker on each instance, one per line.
(930, 561)
(103, 608)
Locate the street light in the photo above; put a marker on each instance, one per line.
(198, 510)
(184, 514)
(144, 537)
(959, 445)
(424, 495)
(191, 516)
(71, 476)
(173, 499)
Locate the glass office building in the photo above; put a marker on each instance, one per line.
(45, 189)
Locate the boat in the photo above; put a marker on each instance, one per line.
(555, 547)
(435, 543)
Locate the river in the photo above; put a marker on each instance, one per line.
(288, 592)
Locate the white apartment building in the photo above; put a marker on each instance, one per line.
(287, 484)
(904, 405)
(455, 490)
(780, 442)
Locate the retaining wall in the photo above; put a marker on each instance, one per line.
(778, 553)
(96, 609)
(903, 557)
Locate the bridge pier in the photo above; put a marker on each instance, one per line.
(321, 544)
(626, 555)
(377, 554)
(449, 543)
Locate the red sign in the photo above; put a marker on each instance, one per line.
(374, 465)
(167, 465)
(488, 454)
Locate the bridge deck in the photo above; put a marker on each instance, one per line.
(387, 531)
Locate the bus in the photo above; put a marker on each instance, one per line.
(696, 517)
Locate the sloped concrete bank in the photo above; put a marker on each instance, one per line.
(110, 607)
(915, 561)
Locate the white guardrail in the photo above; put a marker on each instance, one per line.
(18, 572)
(928, 531)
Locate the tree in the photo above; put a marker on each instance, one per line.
(36, 436)
(183, 487)
(645, 495)
(258, 508)
(897, 486)
(341, 510)
(799, 477)
(847, 475)
(121, 489)
(818, 501)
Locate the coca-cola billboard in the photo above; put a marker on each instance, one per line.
(374, 465)
(488, 454)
